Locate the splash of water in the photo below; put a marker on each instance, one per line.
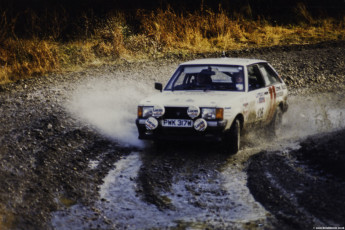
(314, 114)
(306, 116)
(110, 106)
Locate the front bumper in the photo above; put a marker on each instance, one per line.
(213, 132)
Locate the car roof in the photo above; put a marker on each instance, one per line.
(223, 61)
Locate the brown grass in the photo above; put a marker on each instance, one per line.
(21, 58)
(161, 32)
(209, 31)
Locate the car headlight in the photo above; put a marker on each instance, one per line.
(212, 113)
(208, 113)
(145, 111)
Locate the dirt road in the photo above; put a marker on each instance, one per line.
(70, 158)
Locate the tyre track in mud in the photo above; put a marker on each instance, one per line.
(303, 188)
(52, 159)
(196, 183)
(183, 187)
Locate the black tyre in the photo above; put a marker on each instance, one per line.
(234, 137)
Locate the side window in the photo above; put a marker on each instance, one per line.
(255, 79)
(269, 75)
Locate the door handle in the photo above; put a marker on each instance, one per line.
(266, 93)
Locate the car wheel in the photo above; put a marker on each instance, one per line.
(234, 140)
(277, 123)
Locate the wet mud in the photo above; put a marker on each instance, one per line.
(302, 188)
(185, 186)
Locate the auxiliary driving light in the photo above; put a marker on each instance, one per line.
(151, 123)
(200, 125)
(158, 111)
(193, 111)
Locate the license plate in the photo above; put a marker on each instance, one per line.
(177, 123)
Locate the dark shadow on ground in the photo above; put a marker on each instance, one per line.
(304, 188)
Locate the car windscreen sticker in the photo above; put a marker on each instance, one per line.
(198, 69)
(228, 69)
(194, 69)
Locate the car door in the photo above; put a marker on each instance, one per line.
(260, 96)
(273, 85)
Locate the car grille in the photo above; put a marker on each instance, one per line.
(176, 113)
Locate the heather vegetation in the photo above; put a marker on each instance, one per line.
(36, 41)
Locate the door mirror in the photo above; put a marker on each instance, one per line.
(159, 86)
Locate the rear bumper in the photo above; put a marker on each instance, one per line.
(213, 132)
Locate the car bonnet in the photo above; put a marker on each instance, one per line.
(197, 98)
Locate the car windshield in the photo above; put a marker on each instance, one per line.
(207, 77)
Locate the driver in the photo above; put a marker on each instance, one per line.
(239, 81)
(203, 79)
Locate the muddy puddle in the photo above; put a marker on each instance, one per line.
(183, 187)
(195, 197)
(118, 204)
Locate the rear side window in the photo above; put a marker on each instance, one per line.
(255, 78)
(269, 74)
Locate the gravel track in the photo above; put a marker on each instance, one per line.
(46, 150)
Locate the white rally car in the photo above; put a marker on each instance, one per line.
(214, 100)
